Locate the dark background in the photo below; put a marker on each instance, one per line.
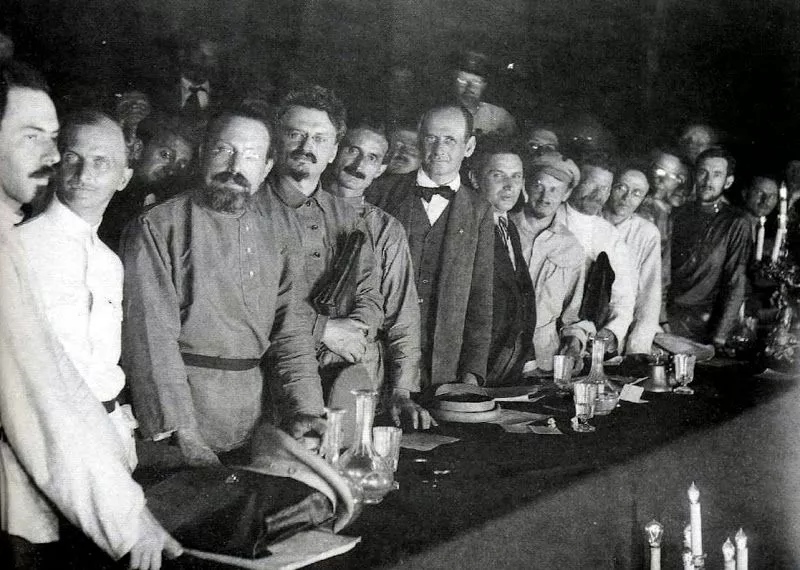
(646, 68)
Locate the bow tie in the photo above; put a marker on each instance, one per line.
(195, 88)
(427, 193)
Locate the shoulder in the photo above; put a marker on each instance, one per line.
(390, 188)
(169, 211)
(341, 209)
(563, 248)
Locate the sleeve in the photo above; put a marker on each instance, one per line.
(368, 307)
(648, 299)
(150, 331)
(571, 325)
(733, 280)
(292, 348)
(58, 431)
(666, 271)
(623, 290)
(478, 324)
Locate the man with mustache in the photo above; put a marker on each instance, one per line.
(360, 160)
(403, 155)
(310, 124)
(450, 230)
(711, 242)
(581, 215)
(59, 451)
(209, 287)
(644, 242)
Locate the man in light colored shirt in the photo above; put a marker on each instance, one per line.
(470, 80)
(77, 276)
(581, 215)
(58, 447)
(643, 241)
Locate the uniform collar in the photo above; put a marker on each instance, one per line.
(287, 191)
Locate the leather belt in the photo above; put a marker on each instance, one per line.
(218, 363)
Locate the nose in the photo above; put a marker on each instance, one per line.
(359, 158)
(235, 162)
(51, 155)
(307, 144)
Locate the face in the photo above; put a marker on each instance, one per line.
(627, 193)
(28, 150)
(762, 196)
(591, 194)
(541, 141)
(500, 180)
(711, 179)
(93, 167)
(469, 87)
(695, 139)
(679, 197)
(235, 156)
(200, 62)
(545, 194)
(403, 152)
(307, 143)
(666, 175)
(444, 143)
(132, 107)
(163, 157)
(360, 160)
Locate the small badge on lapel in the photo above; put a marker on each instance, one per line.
(460, 231)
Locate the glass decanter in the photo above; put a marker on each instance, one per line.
(361, 464)
(607, 393)
(332, 439)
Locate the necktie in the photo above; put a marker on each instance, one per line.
(502, 224)
(192, 105)
(427, 193)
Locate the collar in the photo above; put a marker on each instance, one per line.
(573, 213)
(425, 181)
(186, 84)
(68, 221)
(497, 217)
(8, 217)
(287, 191)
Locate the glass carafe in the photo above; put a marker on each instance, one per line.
(607, 393)
(332, 439)
(360, 464)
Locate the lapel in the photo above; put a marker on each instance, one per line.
(460, 229)
(502, 263)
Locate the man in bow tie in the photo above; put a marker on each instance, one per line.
(450, 231)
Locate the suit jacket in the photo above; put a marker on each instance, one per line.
(464, 296)
(514, 307)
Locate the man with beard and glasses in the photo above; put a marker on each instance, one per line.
(209, 287)
(59, 451)
(450, 230)
(310, 124)
(581, 215)
(711, 243)
(360, 160)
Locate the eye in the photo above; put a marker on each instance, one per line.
(70, 158)
(102, 163)
(321, 139)
(430, 139)
(371, 158)
(251, 155)
(294, 135)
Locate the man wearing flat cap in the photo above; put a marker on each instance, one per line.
(554, 258)
(470, 79)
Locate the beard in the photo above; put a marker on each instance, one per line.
(221, 198)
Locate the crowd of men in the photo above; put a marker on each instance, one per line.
(485, 244)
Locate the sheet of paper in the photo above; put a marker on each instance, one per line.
(508, 417)
(512, 393)
(631, 393)
(300, 550)
(545, 430)
(516, 428)
(424, 441)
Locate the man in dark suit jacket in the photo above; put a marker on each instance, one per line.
(496, 171)
(450, 231)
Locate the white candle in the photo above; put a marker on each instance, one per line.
(687, 537)
(728, 551)
(760, 238)
(688, 560)
(741, 550)
(695, 520)
(776, 247)
(782, 196)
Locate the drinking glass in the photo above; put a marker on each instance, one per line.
(684, 372)
(585, 394)
(562, 372)
(386, 441)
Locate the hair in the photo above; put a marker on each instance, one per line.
(378, 130)
(469, 121)
(17, 74)
(492, 144)
(599, 159)
(245, 110)
(719, 152)
(86, 117)
(316, 97)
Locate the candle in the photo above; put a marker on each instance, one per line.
(782, 196)
(727, 553)
(760, 238)
(688, 561)
(776, 247)
(741, 550)
(687, 537)
(695, 520)
(654, 531)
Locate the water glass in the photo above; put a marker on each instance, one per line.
(386, 442)
(562, 372)
(585, 394)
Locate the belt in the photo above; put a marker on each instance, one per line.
(218, 363)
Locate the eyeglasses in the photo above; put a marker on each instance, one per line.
(226, 153)
(661, 173)
(628, 191)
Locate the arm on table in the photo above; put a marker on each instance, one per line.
(733, 281)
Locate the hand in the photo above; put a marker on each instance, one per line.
(469, 378)
(152, 541)
(401, 405)
(347, 338)
(301, 425)
(611, 339)
(571, 346)
(194, 449)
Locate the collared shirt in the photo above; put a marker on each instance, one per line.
(202, 93)
(503, 229)
(596, 235)
(493, 119)
(62, 448)
(644, 242)
(558, 273)
(80, 282)
(436, 207)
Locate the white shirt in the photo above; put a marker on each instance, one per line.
(595, 236)
(202, 94)
(80, 282)
(437, 205)
(644, 242)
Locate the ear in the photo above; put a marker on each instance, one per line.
(382, 169)
(126, 177)
(474, 180)
(728, 182)
(470, 148)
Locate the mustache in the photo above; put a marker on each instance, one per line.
(300, 154)
(354, 172)
(43, 172)
(235, 177)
